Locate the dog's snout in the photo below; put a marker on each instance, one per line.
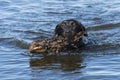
(67, 31)
(68, 34)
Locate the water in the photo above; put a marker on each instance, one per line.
(22, 21)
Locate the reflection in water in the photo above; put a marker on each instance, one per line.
(65, 63)
(22, 21)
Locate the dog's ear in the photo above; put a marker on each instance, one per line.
(58, 30)
(83, 29)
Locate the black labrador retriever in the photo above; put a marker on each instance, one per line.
(69, 29)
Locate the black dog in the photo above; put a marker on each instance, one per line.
(69, 28)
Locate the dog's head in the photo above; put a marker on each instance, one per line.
(69, 28)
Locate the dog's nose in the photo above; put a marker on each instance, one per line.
(68, 34)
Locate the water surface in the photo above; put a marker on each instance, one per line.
(22, 21)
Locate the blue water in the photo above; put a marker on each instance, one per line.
(22, 21)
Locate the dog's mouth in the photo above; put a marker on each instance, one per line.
(68, 35)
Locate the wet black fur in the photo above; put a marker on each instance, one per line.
(69, 28)
(66, 27)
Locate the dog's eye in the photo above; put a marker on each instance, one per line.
(69, 23)
(63, 25)
(73, 23)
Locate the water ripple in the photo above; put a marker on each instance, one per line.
(22, 21)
